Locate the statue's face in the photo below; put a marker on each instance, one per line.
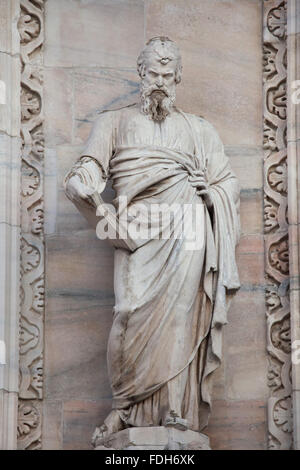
(158, 88)
(160, 77)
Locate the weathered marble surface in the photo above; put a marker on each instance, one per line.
(221, 46)
(96, 32)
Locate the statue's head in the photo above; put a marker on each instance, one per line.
(159, 66)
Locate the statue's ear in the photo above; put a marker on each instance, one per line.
(178, 75)
(141, 70)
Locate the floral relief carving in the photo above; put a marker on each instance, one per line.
(29, 337)
(269, 136)
(275, 223)
(38, 288)
(274, 374)
(31, 29)
(276, 20)
(38, 142)
(30, 256)
(281, 335)
(278, 177)
(29, 426)
(30, 179)
(279, 256)
(282, 414)
(269, 63)
(30, 104)
(276, 100)
(272, 299)
(28, 419)
(37, 219)
(270, 215)
(36, 372)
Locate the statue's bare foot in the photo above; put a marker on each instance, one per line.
(111, 425)
(173, 420)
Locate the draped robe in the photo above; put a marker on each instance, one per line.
(171, 302)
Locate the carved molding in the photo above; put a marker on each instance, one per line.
(31, 30)
(276, 224)
(29, 425)
(293, 139)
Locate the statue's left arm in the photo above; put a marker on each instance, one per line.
(224, 193)
(221, 279)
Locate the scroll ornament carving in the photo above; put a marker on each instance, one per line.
(270, 215)
(276, 100)
(29, 426)
(30, 104)
(279, 256)
(274, 375)
(278, 178)
(275, 224)
(281, 335)
(30, 256)
(269, 65)
(269, 137)
(273, 300)
(31, 30)
(282, 415)
(277, 20)
(30, 179)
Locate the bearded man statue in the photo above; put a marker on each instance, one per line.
(170, 301)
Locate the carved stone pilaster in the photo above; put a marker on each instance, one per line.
(293, 139)
(10, 168)
(276, 224)
(31, 29)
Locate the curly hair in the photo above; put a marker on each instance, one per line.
(165, 50)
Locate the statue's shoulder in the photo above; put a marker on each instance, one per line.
(199, 123)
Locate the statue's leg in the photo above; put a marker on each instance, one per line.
(176, 389)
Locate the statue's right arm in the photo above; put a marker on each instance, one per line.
(84, 178)
(90, 172)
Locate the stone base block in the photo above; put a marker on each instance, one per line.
(155, 438)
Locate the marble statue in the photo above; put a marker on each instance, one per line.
(170, 302)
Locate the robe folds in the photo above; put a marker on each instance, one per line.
(171, 301)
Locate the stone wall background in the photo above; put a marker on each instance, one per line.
(90, 54)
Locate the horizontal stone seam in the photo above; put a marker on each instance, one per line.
(253, 288)
(94, 67)
(65, 400)
(16, 55)
(16, 136)
(10, 225)
(6, 390)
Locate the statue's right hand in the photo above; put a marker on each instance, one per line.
(78, 192)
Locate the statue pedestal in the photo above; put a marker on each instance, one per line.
(155, 438)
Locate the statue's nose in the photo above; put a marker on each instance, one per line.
(159, 82)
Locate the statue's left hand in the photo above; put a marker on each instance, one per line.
(202, 188)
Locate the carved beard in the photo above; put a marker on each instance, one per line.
(157, 103)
